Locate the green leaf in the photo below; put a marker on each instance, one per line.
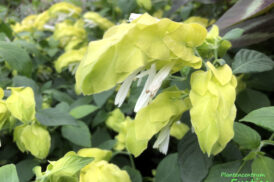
(194, 165)
(66, 166)
(3, 11)
(8, 173)
(16, 57)
(246, 137)
(107, 145)
(168, 169)
(134, 174)
(100, 136)
(85, 100)
(5, 28)
(24, 169)
(101, 117)
(22, 81)
(249, 61)
(263, 117)
(233, 34)
(28, 46)
(61, 96)
(224, 172)
(54, 117)
(262, 81)
(79, 135)
(265, 166)
(62, 106)
(101, 98)
(82, 111)
(249, 100)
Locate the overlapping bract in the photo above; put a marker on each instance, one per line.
(33, 138)
(68, 58)
(126, 48)
(213, 111)
(178, 130)
(64, 8)
(167, 108)
(96, 153)
(103, 171)
(69, 34)
(99, 170)
(38, 21)
(29, 136)
(97, 19)
(115, 120)
(4, 112)
(21, 104)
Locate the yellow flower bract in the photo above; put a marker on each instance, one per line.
(213, 111)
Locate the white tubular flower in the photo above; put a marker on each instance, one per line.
(123, 91)
(162, 141)
(144, 98)
(151, 87)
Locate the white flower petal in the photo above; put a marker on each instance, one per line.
(123, 91)
(144, 98)
(162, 141)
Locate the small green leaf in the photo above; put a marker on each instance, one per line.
(263, 117)
(101, 98)
(168, 169)
(54, 117)
(107, 145)
(24, 169)
(79, 135)
(16, 57)
(248, 61)
(8, 173)
(224, 172)
(249, 100)
(233, 34)
(265, 166)
(194, 164)
(100, 136)
(82, 111)
(134, 174)
(246, 137)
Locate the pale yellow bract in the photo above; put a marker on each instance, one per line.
(213, 111)
(34, 139)
(128, 47)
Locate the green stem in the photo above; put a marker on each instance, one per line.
(204, 62)
(131, 161)
(242, 165)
